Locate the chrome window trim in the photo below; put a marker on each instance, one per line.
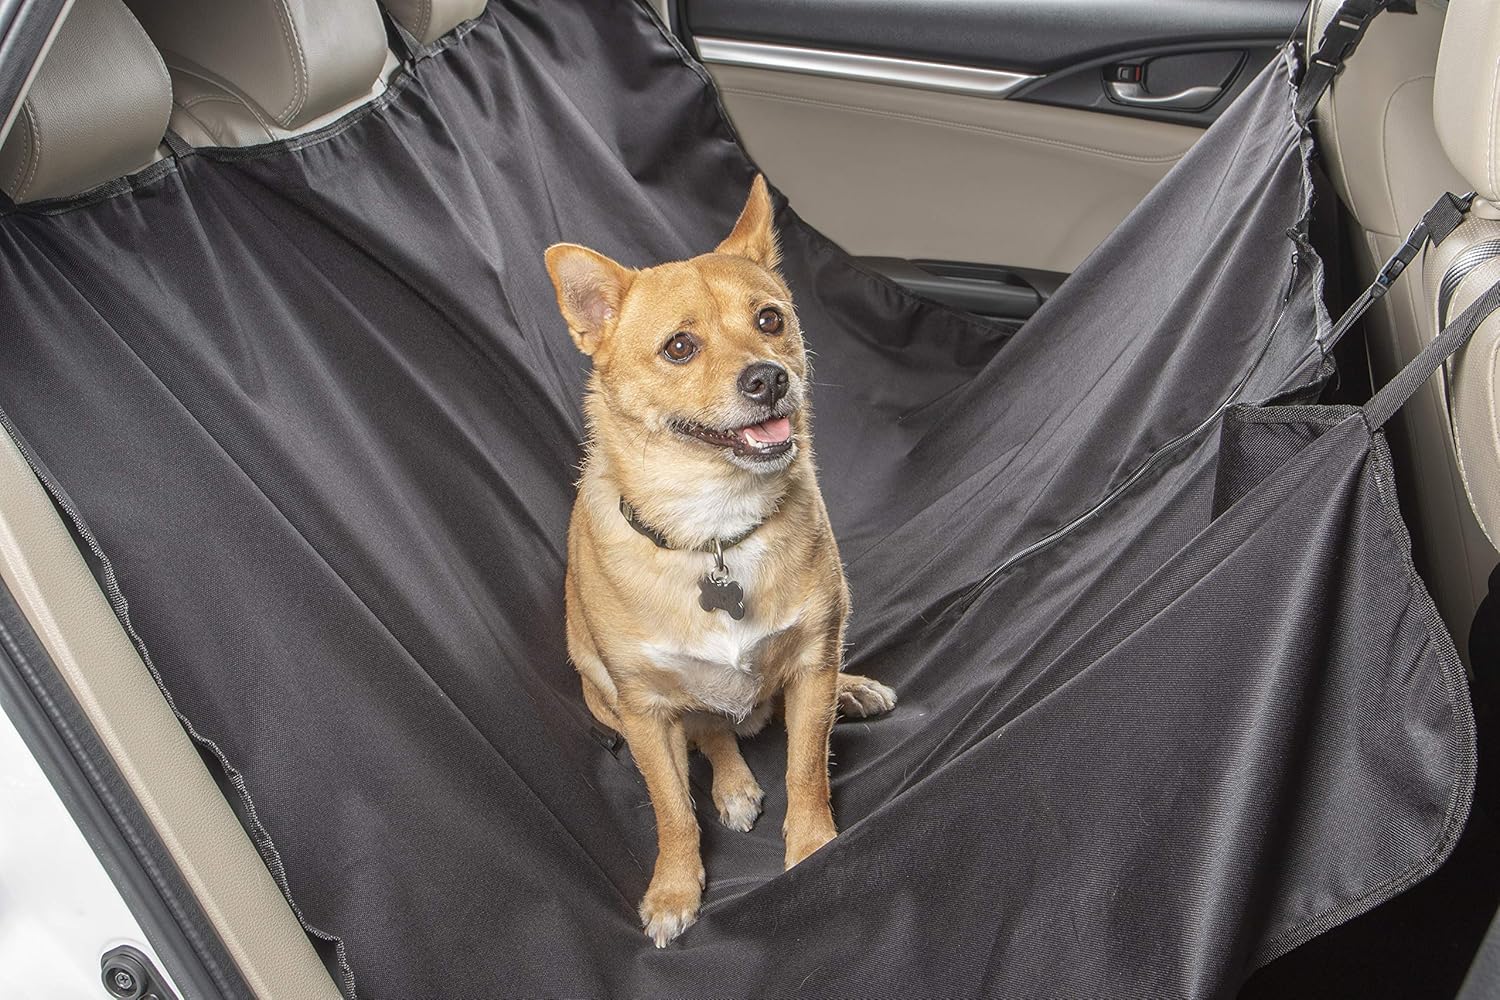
(975, 81)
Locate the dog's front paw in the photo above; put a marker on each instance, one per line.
(670, 907)
(802, 842)
(739, 806)
(861, 697)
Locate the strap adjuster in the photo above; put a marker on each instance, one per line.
(1435, 226)
(1341, 33)
(1340, 38)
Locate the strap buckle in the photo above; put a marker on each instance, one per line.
(1340, 38)
(1435, 226)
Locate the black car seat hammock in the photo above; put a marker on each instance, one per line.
(1173, 699)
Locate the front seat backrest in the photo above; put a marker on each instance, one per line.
(96, 110)
(1466, 108)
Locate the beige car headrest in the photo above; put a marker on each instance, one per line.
(96, 110)
(429, 20)
(1466, 94)
(294, 60)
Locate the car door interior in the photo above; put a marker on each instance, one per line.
(976, 151)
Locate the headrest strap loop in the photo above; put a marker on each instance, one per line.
(403, 42)
(1436, 226)
(179, 146)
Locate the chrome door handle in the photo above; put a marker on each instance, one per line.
(1191, 99)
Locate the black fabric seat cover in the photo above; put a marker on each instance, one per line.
(1172, 697)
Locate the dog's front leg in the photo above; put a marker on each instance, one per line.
(811, 700)
(659, 746)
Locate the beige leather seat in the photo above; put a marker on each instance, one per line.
(96, 109)
(1377, 134)
(247, 72)
(1466, 107)
(429, 20)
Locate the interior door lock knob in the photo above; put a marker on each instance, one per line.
(128, 974)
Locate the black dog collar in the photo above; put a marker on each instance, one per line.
(717, 591)
(718, 544)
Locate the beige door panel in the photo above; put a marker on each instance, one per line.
(897, 171)
(42, 569)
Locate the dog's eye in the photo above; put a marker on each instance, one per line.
(680, 348)
(770, 321)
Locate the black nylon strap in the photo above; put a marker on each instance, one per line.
(1445, 215)
(1411, 378)
(402, 42)
(1339, 40)
(176, 143)
(1436, 225)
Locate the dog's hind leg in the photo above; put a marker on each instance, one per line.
(737, 795)
(861, 697)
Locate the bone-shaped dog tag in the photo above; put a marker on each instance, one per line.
(720, 593)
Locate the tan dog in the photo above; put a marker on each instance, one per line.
(703, 578)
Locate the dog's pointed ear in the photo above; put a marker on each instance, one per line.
(590, 290)
(754, 235)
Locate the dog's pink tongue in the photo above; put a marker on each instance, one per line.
(771, 432)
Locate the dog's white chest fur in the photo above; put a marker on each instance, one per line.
(718, 662)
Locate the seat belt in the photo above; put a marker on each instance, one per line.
(1340, 38)
(1384, 404)
(1463, 265)
(1436, 226)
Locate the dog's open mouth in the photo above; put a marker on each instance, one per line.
(768, 439)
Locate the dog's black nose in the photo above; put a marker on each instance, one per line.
(764, 382)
